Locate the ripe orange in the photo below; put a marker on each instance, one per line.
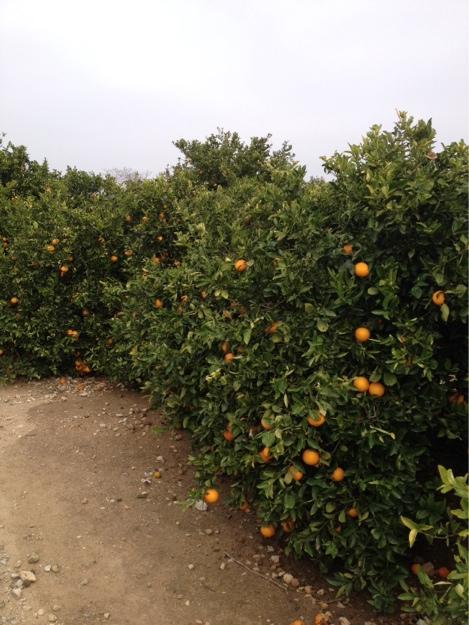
(128, 253)
(317, 420)
(265, 454)
(376, 389)
(296, 474)
(442, 572)
(240, 265)
(415, 568)
(272, 329)
(361, 270)
(311, 457)
(63, 268)
(14, 301)
(211, 495)
(298, 622)
(114, 258)
(228, 435)
(55, 241)
(224, 347)
(338, 475)
(361, 384)
(158, 303)
(347, 249)
(352, 513)
(266, 423)
(267, 531)
(228, 357)
(438, 298)
(50, 249)
(287, 526)
(362, 335)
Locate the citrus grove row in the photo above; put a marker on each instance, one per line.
(311, 335)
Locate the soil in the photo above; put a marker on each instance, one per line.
(113, 543)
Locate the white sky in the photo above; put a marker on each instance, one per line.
(111, 83)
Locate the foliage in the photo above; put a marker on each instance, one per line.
(445, 601)
(254, 349)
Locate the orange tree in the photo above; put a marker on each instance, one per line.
(313, 340)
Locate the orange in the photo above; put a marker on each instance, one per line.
(55, 241)
(442, 572)
(14, 301)
(298, 622)
(317, 420)
(376, 389)
(311, 457)
(296, 474)
(272, 329)
(63, 269)
(211, 495)
(228, 357)
(352, 513)
(144, 219)
(114, 258)
(438, 298)
(287, 526)
(266, 423)
(415, 568)
(128, 253)
(362, 334)
(50, 249)
(224, 347)
(265, 454)
(347, 249)
(267, 531)
(338, 475)
(159, 237)
(228, 435)
(361, 384)
(158, 303)
(361, 270)
(240, 265)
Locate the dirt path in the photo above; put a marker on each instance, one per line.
(73, 457)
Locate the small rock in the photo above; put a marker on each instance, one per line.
(287, 578)
(295, 583)
(16, 592)
(33, 558)
(343, 620)
(84, 582)
(27, 577)
(308, 590)
(142, 495)
(52, 618)
(222, 566)
(191, 567)
(41, 612)
(84, 500)
(209, 532)
(275, 559)
(47, 568)
(320, 592)
(200, 505)
(107, 615)
(55, 568)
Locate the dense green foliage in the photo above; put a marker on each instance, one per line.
(222, 346)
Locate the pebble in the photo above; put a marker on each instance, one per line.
(107, 615)
(343, 620)
(295, 583)
(33, 558)
(191, 567)
(288, 578)
(275, 559)
(52, 618)
(55, 568)
(142, 495)
(209, 532)
(16, 592)
(27, 577)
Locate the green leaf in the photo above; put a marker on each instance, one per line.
(247, 336)
(444, 310)
(412, 537)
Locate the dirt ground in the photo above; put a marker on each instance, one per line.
(108, 542)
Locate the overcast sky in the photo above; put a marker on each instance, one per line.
(100, 84)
